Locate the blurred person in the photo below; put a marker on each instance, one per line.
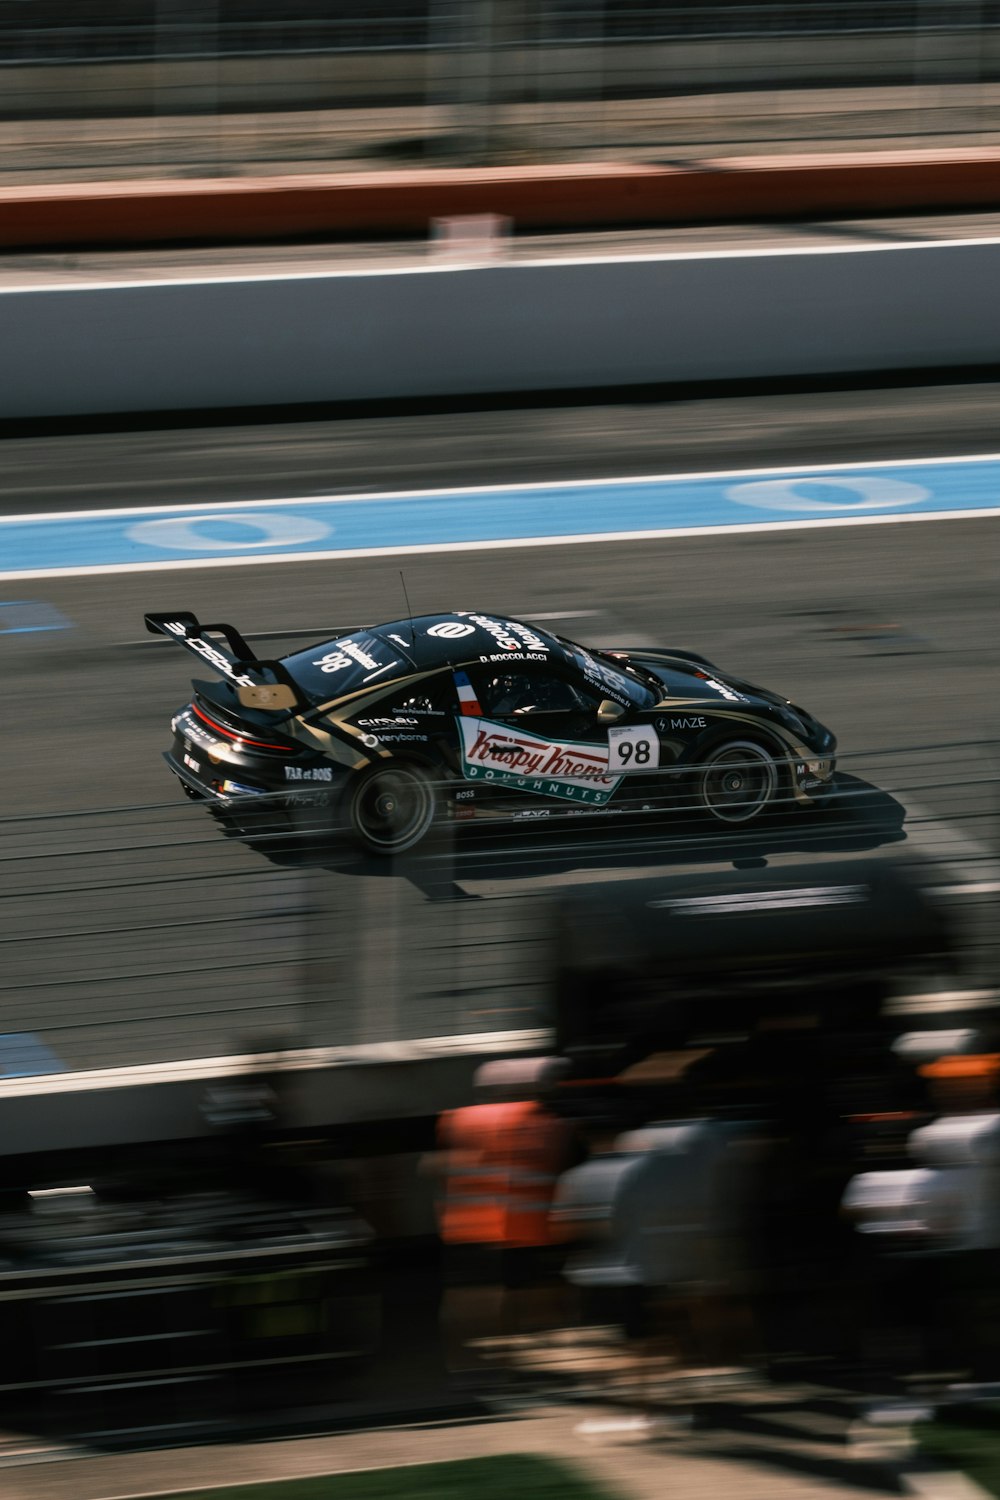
(962, 1147)
(609, 1292)
(663, 1228)
(814, 1066)
(939, 1221)
(499, 1160)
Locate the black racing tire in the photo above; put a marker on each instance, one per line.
(737, 781)
(390, 808)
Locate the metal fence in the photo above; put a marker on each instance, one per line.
(46, 31)
(135, 935)
(174, 86)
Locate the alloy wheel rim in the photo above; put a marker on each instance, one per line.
(392, 809)
(739, 783)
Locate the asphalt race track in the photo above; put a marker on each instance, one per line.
(258, 458)
(134, 931)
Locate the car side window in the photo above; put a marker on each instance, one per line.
(431, 695)
(514, 692)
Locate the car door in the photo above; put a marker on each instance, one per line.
(413, 719)
(534, 732)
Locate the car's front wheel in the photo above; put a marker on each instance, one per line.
(737, 781)
(390, 808)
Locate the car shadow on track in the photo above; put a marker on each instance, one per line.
(862, 817)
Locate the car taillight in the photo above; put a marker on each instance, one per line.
(244, 737)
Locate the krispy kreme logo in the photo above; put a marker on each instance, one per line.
(547, 768)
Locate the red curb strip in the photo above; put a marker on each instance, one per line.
(580, 196)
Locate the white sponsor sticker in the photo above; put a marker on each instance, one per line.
(603, 677)
(308, 773)
(399, 722)
(514, 656)
(722, 688)
(631, 748)
(528, 635)
(346, 654)
(207, 652)
(451, 630)
(510, 634)
(201, 737)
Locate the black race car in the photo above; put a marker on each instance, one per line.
(464, 715)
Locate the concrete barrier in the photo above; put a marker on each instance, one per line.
(433, 330)
(380, 1082)
(571, 196)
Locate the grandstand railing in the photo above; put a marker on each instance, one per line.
(323, 86)
(50, 32)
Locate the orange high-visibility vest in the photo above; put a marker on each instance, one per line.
(500, 1182)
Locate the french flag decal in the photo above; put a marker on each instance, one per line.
(467, 701)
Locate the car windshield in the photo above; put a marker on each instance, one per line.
(625, 685)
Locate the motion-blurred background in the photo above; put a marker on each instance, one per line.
(225, 1061)
(167, 87)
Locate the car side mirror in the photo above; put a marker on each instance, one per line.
(609, 712)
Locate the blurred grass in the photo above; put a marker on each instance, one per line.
(973, 1449)
(496, 1478)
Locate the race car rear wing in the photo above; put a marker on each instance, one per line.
(233, 659)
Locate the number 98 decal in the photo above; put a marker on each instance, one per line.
(631, 748)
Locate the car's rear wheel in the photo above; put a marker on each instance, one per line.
(390, 809)
(737, 781)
